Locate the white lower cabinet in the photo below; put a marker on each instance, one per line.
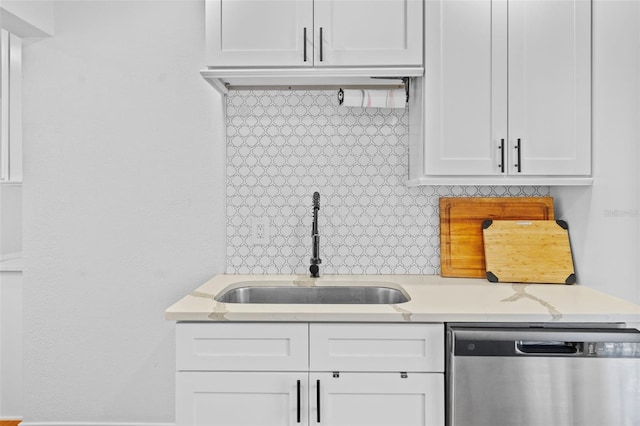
(330, 374)
(241, 398)
(377, 399)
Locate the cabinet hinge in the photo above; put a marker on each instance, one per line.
(403, 375)
(336, 374)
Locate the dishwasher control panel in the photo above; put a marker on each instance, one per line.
(591, 343)
(612, 349)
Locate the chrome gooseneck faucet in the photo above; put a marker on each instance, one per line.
(314, 269)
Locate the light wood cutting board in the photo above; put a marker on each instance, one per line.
(461, 244)
(534, 251)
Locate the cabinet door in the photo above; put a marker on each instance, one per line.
(259, 32)
(241, 399)
(365, 32)
(549, 87)
(465, 91)
(376, 399)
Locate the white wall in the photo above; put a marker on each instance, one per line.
(28, 18)
(124, 198)
(10, 340)
(10, 218)
(123, 206)
(604, 220)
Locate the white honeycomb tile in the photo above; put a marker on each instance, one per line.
(284, 145)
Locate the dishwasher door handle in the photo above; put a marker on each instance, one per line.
(542, 348)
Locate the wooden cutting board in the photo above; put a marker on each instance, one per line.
(461, 244)
(528, 251)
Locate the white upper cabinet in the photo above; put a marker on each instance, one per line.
(259, 32)
(367, 33)
(302, 33)
(466, 86)
(550, 87)
(506, 95)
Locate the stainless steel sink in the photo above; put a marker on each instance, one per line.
(328, 294)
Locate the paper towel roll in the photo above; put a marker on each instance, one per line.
(373, 98)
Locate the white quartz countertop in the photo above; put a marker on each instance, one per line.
(433, 299)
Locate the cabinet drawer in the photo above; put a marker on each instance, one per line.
(246, 346)
(377, 347)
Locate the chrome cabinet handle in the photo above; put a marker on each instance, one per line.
(321, 44)
(304, 42)
(501, 148)
(519, 160)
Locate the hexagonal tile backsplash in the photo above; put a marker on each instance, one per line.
(284, 145)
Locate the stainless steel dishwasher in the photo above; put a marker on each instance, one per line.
(521, 376)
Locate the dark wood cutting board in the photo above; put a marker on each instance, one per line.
(461, 243)
(528, 251)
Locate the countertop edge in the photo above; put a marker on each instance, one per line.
(433, 300)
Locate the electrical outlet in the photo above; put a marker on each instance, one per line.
(260, 230)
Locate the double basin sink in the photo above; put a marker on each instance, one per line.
(368, 293)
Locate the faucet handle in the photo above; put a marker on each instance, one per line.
(316, 200)
(315, 271)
